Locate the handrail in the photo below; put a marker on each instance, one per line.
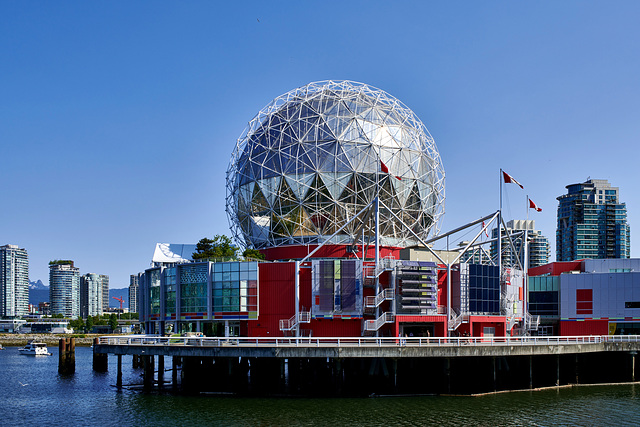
(289, 324)
(374, 325)
(156, 340)
(374, 301)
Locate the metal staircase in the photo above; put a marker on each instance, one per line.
(375, 301)
(293, 322)
(456, 321)
(533, 322)
(374, 325)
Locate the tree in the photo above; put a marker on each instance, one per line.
(89, 324)
(252, 253)
(218, 247)
(113, 322)
(77, 324)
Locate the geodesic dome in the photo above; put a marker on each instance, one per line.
(314, 157)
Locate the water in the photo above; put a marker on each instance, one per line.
(32, 393)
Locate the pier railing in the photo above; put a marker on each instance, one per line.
(344, 342)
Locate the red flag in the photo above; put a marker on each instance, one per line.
(485, 231)
(385, 169)
(534, 206)
(508, 179)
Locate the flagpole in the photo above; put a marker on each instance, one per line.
(525, 296)
(500, 231)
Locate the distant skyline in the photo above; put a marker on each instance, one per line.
(118, 119)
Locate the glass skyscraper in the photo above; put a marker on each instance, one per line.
(133, 293)
(538, 244)
(14, 281)
(91, 295)
(64, 288)
(592, 223)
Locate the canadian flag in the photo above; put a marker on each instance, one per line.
(508, 179)
(385, 169)
(534, 206)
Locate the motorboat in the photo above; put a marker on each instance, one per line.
(35, 349)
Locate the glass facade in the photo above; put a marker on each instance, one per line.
(64, 290)
(544, 296)
(170, 293)
(477, 289)
(539, 249)
(133, 293)
(193, 290)
(336, 289)
(154, 293)
(315, 156)
(235, 290)
(199, 291)
(592, 223)
(14, 281)
(90, 295)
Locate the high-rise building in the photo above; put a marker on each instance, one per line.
(104, 283)
(133, 293)
(90, 295)
(539, 249)
(64, 288)
(592, 223)
(14, 281)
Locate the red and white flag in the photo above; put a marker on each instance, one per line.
(534, 206)
(485, 230)
(385, 169)
(508, 179)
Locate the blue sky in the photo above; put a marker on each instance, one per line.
(118, 119)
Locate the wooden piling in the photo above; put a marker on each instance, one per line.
(100, 360)
(67, 356)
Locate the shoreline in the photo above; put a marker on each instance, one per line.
(51, 340)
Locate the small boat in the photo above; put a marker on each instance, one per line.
(35, 349)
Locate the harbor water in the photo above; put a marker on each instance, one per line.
(34, 392)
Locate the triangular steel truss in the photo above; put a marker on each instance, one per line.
(312, 158)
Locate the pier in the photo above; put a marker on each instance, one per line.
(375, 365)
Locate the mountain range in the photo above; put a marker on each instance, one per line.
(39, 292)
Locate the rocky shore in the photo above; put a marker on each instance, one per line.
(51, 340)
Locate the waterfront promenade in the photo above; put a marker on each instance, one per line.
(345, 347)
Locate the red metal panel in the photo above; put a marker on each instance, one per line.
(556, 268)
(334, 327)
(477, 324)
(586, 327)
(276, 298)
(442, 287)
(327, 251)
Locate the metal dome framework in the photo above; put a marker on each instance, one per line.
(314, 157)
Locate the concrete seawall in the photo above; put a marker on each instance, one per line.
(51, 340)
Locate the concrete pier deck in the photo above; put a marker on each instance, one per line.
(363, 347)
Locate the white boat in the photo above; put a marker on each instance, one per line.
(35, 349)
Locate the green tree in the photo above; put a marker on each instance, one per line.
(252, 253)
(89, 324)
(219, 247)
(113, 322)
(77, 324)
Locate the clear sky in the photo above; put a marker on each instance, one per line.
(118, 119)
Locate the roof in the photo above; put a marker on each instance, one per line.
(172, 252)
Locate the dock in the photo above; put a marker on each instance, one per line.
(376, 365)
